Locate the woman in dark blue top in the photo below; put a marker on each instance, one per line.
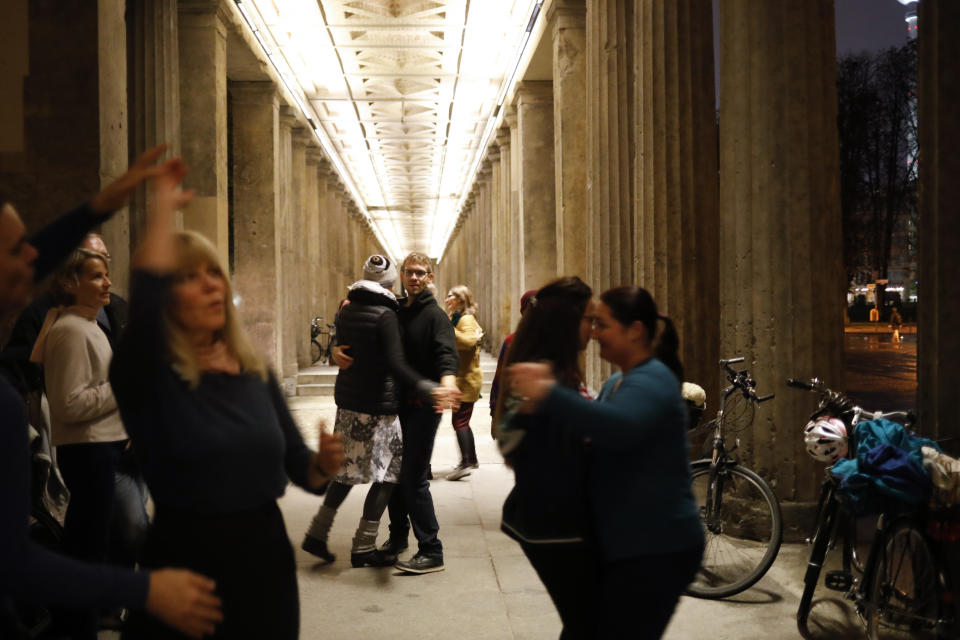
(215, 438)
(648, 531)
(29, 572)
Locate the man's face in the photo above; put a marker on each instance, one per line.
(416, 277)
(16, 261)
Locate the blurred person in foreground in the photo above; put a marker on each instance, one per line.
(181, 599)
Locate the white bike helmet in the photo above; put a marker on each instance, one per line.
(826, 439)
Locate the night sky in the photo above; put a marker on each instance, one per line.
(869, 25)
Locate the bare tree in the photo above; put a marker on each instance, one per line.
(877, 122)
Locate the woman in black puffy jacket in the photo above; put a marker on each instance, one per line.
(367, 400)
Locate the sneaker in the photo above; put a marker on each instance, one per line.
(375, 558)
(393, 547)
(421, 563)
(318, 548)
(462, 470)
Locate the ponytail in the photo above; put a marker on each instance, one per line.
(666, 346)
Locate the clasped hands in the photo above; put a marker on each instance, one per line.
(531, 381)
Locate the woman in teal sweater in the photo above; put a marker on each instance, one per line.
(648, 531)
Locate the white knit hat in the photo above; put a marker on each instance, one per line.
(379, 269)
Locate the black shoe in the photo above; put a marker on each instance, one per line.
(393, 547)
(375, 558)
(317, 548)
(421, 563)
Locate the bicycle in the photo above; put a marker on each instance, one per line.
(897, 588)
(326, 333)
(740, 512)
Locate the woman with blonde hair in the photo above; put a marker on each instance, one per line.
(85, 424)
(216, 440)
(463, 314)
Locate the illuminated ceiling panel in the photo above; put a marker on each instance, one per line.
(404, 91)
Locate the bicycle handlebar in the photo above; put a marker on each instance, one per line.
(724, 363)
(800, 384)
(765, 398)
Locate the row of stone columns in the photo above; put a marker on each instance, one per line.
(622, 176)
(264, 192)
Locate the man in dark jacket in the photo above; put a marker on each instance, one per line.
(430, 348)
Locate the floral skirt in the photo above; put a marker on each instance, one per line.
(373, 445)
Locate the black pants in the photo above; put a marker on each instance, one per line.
(637, 597)
(412, 499)
(88, 470)
(249, 556)
(570, 573)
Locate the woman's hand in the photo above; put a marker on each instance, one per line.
(185, 601)
(116, 194)
(445, 397)
(340, 358)
(327, 460)
(532, 381)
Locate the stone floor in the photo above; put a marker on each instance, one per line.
(488, 589)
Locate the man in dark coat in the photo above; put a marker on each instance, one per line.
(430, 348)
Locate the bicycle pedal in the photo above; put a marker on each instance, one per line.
(838, 580)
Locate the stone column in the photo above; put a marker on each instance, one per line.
(300, 321)
(676, 209)
(538, 206)
(154, 91)
(288, 123)
(939, 103)
(63, 121)
(256, 217)
(502, 241)
(318, 247)
(487, 283)
(781, 272)
(568, 29)
(515, 242)
(203, 110)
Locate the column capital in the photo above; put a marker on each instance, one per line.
(288, 116)
(212, 8)
(534, 92)
(510, 116)
(300, 136)
(503, 139)
(315, 156)
(567, 14)
(493, 152)
(253, 92)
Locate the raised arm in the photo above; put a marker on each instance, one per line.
(55, 241)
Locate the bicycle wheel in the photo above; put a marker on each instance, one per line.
(901, 600)
(315, 351)
(743, 529)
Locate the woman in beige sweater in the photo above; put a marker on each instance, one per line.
(85, 423)
(462, 311)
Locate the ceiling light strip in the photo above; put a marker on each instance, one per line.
(488, 131)
(321, 136)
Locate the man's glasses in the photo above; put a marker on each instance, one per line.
(418, 273)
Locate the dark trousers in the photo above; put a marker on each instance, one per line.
(88, 470)
(411, 502)
(570, 574)
(128, 529)
(248, 555)
(637, 597)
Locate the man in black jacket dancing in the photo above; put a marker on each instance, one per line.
(430, 348)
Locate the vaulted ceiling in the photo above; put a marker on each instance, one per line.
(403, 94)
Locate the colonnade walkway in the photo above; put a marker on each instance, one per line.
(488, 590)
